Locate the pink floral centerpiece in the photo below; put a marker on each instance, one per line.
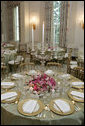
(42, 83)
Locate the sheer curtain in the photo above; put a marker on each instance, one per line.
(50, 26)
(63, 23)
(48, 21)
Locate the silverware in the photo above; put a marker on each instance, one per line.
(39, 115)
(44, 115)
(52, 114)
(77, 108)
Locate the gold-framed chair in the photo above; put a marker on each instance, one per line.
(54, 64)
(13, 64)
(4, 71)
(31, 65)
(80, 73)
(3, 67)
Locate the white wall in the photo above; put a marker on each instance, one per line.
(4, 21)
(75, 33)
(79, 34)
(27, 11)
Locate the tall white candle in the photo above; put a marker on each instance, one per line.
(54, 39)
(32, 39)
(43, 37)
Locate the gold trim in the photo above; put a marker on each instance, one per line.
(79, 87)
(60, 112)
(72, 97)
(2, 86)
(20, 104)
(12, 101)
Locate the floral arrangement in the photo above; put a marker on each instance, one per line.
(4, 44)
(42, 83)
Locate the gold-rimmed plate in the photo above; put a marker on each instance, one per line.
(78, 87)
(59, 111)
(10, 85)
(11, 99)
(16, 76)
(74, 97)
(21, 111)
(81, 86)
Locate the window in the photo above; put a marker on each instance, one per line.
(16, 23)
(56, 20)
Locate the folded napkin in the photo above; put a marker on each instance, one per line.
(66, 75)
(12, 62)
(49, 72)
(78, 98)
(9, 99)
(7, 83)
(78, 83)
(10, 45)
(7, 53)
(17, 75)
(78, 94)
(32, 72)
(64, 106)
(29, 106)
(73, 66)
(8, 95)
(73, 62)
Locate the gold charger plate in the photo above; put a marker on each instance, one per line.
(73, 97)
(20, 109)
(78, 87)
(13, 100)
(60, 112)
(9, 87)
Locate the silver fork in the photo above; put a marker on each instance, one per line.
(39, 115)
(77, 108)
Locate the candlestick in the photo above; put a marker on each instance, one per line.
(32, 39)
(43, 37)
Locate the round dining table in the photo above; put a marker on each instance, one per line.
(11, 116)
(8, 55)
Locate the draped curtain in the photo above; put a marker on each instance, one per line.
(63, 23)
(48, 21)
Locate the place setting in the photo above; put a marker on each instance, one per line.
(61, 106)
(30, 107)
(7, 85)
(10, 97)
(16, 76)
(76, 95)
(77, 84)
(65, 76)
